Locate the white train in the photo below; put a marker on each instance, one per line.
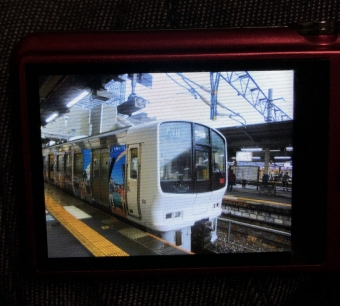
(169, 177)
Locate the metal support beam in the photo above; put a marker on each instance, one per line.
(214, 82)
(266, 160)
(246, 87)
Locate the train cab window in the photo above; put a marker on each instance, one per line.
(201, 134)
(176, 157)
(78, 164)
(218, 161)
(134, 163)
(218, 152)
(191, 158)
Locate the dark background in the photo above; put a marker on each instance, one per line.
(17, 285)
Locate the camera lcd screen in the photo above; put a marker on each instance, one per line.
(203, 160)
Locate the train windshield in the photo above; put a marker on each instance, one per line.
(192, 158)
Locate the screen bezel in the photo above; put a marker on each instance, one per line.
(308, 241)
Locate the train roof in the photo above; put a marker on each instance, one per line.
(84, 140)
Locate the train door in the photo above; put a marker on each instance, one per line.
(133, 180)
(100, 176)
(202, 170)
(202, 179)
(45, 165)
(104, 177)
(96, 175)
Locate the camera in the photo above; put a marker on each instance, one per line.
(178, 151)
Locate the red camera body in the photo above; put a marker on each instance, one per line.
(311, 52)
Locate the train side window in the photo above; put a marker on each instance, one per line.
(51, 166)
(51, 162)
(78, 164)
(60, 163)
(104, 166)
(134, 163)
(68, 164)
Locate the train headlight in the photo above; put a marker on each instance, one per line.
(173, 215)
(177, 214)
(168, 216)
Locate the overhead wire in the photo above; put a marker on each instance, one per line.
(193, 91)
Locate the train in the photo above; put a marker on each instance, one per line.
(168, 177)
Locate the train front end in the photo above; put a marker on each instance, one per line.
(191, 183)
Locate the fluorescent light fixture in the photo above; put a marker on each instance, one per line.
(77, 99)
(50, 118)
(282, 157)
(289, 148)
(275, 150)
(251, 149)
(256, 157)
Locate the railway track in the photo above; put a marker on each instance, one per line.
(239, 236)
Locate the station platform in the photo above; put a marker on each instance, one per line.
(249, 203)
(76, 229)
(252, 192)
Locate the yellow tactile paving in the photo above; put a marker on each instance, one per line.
(249, 200)
(95, 243)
